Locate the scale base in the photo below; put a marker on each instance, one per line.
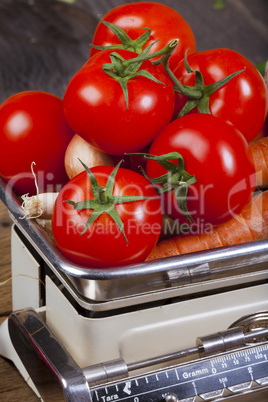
(38, 355)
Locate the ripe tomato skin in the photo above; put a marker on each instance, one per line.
(218, 155)
(165, 23)
(95, 106)
(242, 101)
(103, 245)
(33, 129)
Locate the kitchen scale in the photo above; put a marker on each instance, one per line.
(189, 328)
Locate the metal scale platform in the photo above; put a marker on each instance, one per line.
(187, 328)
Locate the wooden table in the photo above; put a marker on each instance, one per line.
(12, 385)
(44, 42)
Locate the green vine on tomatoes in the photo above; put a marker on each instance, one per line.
(126, 42)
(176, 178)
(104, 200)
(123, 70)
(198, 95)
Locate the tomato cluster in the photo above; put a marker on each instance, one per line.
(142, 87)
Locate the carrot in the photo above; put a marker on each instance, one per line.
(259, 150)
(251, 224)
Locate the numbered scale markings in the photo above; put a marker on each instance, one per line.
(206, 377)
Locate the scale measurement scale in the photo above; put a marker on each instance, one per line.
(208, 378)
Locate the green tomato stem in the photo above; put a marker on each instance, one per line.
(176, 178)
(198, 95)
(102, 197)
(103, 200)
(123, 70)
(126, 42)
(167, 51)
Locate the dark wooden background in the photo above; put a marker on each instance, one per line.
(44, 42)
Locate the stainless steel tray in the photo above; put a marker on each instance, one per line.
(148, 281)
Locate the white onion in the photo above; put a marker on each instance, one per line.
(77, 149)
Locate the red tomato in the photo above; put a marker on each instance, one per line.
(242, 101)
(95, 106)
(103, 244)
(33, 129)
(165, 23)
(217, 154)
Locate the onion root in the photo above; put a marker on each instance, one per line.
(38, 206)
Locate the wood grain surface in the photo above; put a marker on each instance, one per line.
(44, 42)
(12, 385)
